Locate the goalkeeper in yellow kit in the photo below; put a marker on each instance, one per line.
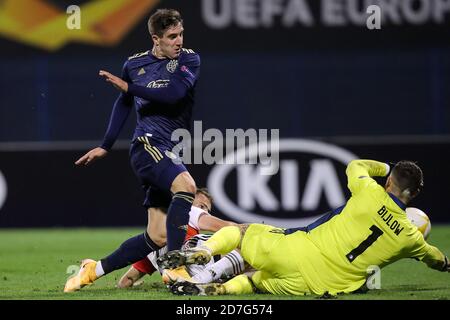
(331, 255)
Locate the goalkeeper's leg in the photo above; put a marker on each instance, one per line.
(225, 240)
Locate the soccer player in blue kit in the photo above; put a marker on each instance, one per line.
(160, 84)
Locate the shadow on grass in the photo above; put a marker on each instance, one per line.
(414, 288)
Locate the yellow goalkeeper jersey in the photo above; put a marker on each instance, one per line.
(371, 230)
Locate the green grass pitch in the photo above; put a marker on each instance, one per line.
(34, 265)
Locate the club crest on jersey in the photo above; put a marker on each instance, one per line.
(172, 65)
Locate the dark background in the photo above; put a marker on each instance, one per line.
(382, 94)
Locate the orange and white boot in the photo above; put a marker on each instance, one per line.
(85, 276)
(170, 276)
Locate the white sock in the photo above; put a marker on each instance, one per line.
(99, 269)
(230, 264)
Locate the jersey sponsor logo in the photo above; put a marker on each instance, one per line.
(311, 180)
(3, 190)
(42, 23)
(172, 65)
(158, 84)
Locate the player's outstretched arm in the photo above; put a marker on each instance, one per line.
(207, 222)
(117, 82)
(435, 259)
(170, 95)
(92, 155)
(359, 173)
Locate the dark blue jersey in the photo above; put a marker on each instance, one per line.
(162, 91)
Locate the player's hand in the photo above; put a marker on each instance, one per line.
(115, 81)
(91, 156)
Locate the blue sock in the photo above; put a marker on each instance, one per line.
(131, 251)
(178, 219)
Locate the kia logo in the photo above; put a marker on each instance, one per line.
(3, 190)
(305, 178)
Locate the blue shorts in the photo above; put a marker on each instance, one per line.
(155, 198)
(153, 165)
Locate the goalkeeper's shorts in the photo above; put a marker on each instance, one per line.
(266, 248)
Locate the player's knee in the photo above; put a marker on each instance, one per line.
(184, 183)
(256, 279)
(189, 186)
(158, 236)
(159, 240)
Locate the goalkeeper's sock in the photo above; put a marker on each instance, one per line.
(239, 285)
(178, 219)
(230, 265)
(131, 251)
(223, 241)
